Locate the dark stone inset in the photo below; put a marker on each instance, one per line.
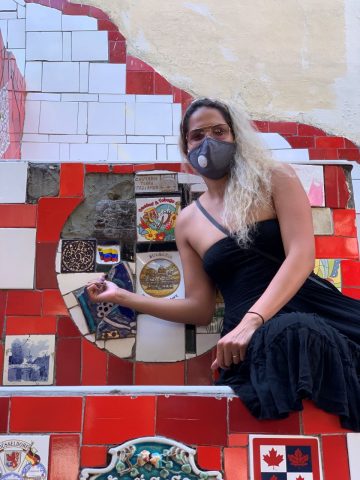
(78, 256)
(43, 181)
(115, 219)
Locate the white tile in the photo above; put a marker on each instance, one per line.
(68, 282)
(82, 118)
(107, 78)
(173, 153)
(154, 98)
(68, 138)
(273, 140)
(78, 22)
(291, 155)
(58, 117)
(153, 119)
(20, 3)
(40, 18)
(48, 152)
(106, 119)
(3, 30)
(67, 47)
(122, 347)
(21, 11)
(353, 444)
(132, 153)
(90, 46)
(161, 154)
(19, 54)
(13, 177)
(7, 15)
(79, 97)
(32, 116)
(34, 137)
(144, 139)
(64, 152)
(173, 139)
(58, 262)
(106, 139)
(47, 97)
(89, 152)
(312, 179)
(79, 319)
(206, 341)
(33, 76)
(8, 5)
(43, 45)
(17, 257)
(16, 34)
(176, 120)
(61, 77)
(322, 221)
(70, 300)
(130, 118)
(113, 153)
(117, 98)
(84, 76)
(356, 190)
(159, 340)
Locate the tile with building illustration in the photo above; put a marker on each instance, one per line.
(156, 218)
(329, 269)
(284, 458)
(312, 179)
(107, 254)
(29, 360)
(78, 256)
(159, 275)
(24, 456)
(156, 182)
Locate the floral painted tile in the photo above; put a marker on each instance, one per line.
(284, 458)
(156, 218)
(329, 269)
(24, 456)
(29, 360)
(78, 256)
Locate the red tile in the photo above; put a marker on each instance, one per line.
(64, 461)
(3, 300)
(59, 4)
(97, 13)
(336, 247)
(53, 303)
(241, 421)
(198, 371)
(67, 328)
(137, 65)
(345, 222)
(123, 169)
(52, 214)
(4, 414)
(161, 85)
(261, 126)
(308, 130)
(116, 36)
(350, 273)
(140, 82)
(91, 456)
(71, 180)
(317, 421)
(329, 142)
(30, 325)
(93, 364)
(236, 463)
(13, 216)
(159, 373)
(89, 168)
(323, 154)
(351, 292)
(46, 276)
(337, 193)
(177, 95)
(117, 52)
(119, 371)
(106, 25)
(46, 414)
(68, 361)
(349, 154)
(117, 419)
(335, 457)
(173, 167)
(73, 9)
(238, 440)
(139, 167)
(193, 420)
(209, 458)
(23, 302)
(284, 127)
(300, 142)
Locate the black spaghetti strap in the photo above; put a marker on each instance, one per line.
(211, 218)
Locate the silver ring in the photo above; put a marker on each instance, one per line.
(235, 356)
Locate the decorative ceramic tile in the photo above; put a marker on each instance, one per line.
(29, 360)
(4, 120)
(108, 320)
(78, 256)
(151, 183)
(149, 458)
(159, 275)
(122, 347)
(24, 456)
(107, 254)
(330, 269)
(284, 458)
(312, 179)
(156, 218)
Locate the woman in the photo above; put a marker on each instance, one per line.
(287, 334)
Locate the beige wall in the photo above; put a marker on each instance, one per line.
(285, 59)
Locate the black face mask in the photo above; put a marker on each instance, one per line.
(213, 158)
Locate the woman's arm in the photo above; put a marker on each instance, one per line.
(199, 303)
(295, 219)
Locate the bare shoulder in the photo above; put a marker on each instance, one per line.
(185, 217)
(282, 172)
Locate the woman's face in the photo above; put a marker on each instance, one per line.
(210, 122)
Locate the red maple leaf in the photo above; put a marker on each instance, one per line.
(274, 477)
(272, 458)
(298, 459)
(300, 478)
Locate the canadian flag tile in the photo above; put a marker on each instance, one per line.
(284, 458)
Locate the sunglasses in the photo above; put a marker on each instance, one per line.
(219, 132)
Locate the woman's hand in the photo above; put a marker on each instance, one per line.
(232, 347)
(104, 291)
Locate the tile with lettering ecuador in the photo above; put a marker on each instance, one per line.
(284, 458)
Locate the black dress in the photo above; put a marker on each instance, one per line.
(309, 349)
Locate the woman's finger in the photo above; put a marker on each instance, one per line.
(228, 360)
(220, 355)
